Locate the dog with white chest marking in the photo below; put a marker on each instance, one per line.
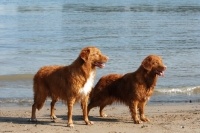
(68, 83)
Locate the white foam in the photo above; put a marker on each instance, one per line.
(183, 90)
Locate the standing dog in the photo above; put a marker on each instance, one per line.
(133, 89)
(69, 83)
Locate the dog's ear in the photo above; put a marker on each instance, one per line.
(147, 63)
(85, 54)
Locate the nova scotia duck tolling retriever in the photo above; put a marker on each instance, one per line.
(133, 89)
(70, 83)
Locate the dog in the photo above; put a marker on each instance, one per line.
(70, 83)
(133, 89)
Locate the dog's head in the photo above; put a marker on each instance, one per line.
(94, 56)
(154, 63)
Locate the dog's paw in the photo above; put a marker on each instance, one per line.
(138, 122)
(103, 115)
(89, 123)
(145, 119)
(32, 120)
(53, 117)
(70, 125)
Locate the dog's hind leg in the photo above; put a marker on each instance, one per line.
(101, 111)
(91, 105)
(40, 95)
(107, 101)
(38, 104)
(70, 104)
(33, 116)
(53, 102)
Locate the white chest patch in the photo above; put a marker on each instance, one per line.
(88, 85)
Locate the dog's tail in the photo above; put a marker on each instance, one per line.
(40, 92)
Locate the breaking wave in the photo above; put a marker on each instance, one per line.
(183, 90)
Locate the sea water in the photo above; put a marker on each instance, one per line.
(39, 33)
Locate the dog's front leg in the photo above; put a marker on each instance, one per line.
(70, 104)
(141, 107)
(133, 109)
(84, 102)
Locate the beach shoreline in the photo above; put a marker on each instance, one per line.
(165, 117)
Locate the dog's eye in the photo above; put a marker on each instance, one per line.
(155, 62)
(95, 54)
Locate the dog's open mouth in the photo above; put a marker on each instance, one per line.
(99, 64)
(160, 73)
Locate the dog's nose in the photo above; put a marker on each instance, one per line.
(107, 57)
(165, 67)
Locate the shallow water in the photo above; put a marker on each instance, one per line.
(34, 34)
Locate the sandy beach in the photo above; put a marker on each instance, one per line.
(165, 118)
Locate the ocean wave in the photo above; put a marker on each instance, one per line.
(173, 95)
(183, 90)
(135, 8)
(117, 8)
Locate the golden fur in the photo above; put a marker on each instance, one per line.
(68, 83)
(132, 89)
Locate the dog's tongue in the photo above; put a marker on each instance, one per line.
(99, 64)
(162, 73)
